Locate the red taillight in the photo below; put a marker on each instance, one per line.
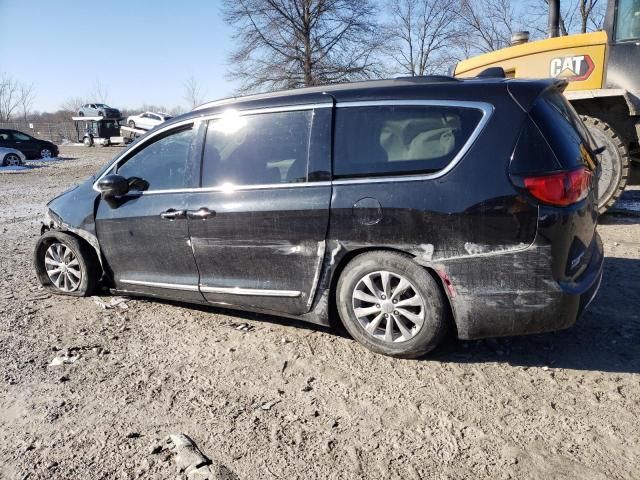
(560, 188)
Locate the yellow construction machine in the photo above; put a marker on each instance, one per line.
(603, 71)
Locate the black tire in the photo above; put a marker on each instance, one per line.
(46, 153)
(84, 253)
(613, 171)
(435, 311)
(81, 114)
(132, 124)
(10, 158)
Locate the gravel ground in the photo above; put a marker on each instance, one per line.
(284, 399)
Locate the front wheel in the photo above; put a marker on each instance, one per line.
(46, 153)
(65, 265)
(132, 124)
(613, 165)
(11, 160)
(391, 305)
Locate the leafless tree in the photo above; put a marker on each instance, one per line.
(576, 16)
(73, 104)
(26, 97)
(193, 93)
(99, 92)
(420, 35)
(294, 43)
(14, 96)
(487, 25)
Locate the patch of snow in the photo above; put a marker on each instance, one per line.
(14, 168)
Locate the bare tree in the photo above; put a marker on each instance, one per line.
(420, 35)
(99, 92)
(26, 97)
(193, 93)
(294, 43)
(73, 104)
(487, 25)
(14, 96)
(576, 16)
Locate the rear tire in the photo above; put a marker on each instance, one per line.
(614, 162)
(408, 318)
(132, 124)
(79, 261)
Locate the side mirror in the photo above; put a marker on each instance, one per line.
(113, 186)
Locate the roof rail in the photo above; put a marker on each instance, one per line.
(492, 72)
(428, 79)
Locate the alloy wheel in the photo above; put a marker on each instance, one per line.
(12, 160)
(62, 267)
(45, 153)
(388, 306)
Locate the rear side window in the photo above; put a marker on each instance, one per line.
(391, 140)
(259, 149)
(563, 130)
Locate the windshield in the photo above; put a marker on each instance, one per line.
(101, 105)
(628, 20)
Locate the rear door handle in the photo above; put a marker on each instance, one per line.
(202, 213)
(172, 214)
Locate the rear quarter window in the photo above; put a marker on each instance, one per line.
(563, 129)
(393, 140)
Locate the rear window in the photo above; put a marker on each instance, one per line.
(564, 131)
(392, 140)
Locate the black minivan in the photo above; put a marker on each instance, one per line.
(402, 207)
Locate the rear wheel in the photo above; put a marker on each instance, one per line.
(132, 124)
(614, 162)
(391, 305)
(66, 265)
(46, 153)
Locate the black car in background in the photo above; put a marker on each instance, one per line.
(31, 147)
(402, 207)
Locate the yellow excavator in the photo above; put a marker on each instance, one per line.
(603, 71)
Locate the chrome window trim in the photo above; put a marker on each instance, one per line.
(258, 292)
(203, 118)
(486, 109)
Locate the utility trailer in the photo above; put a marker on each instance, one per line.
(100, 131)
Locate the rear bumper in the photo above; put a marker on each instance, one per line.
(515, 293)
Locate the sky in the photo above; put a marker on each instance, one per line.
(141, 50)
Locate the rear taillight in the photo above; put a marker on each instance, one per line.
(560, 189)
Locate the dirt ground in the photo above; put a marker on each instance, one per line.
(284, 399)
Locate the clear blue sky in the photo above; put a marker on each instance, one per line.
(142, 50)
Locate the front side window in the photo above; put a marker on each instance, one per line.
(628, 20)
(21, 137)
(392, 140)
(257, 149)
(167, 163)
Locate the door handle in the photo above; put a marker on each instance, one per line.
(202, 213)
(172, 214)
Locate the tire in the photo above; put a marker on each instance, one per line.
(46, 153)
(11, 159)
(613, 171)
(81, 114)
(87, 141)
(353, 297)
(52, 247)
(132, 124)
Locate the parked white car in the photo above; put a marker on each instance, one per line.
(10, 157)
(147, 120)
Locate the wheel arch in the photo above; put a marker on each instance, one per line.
(351, 254)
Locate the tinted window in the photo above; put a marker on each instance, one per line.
(563, 129)
(21, 137)
(385, 140)
(257, 149)
(628, 20)
(165, 163)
